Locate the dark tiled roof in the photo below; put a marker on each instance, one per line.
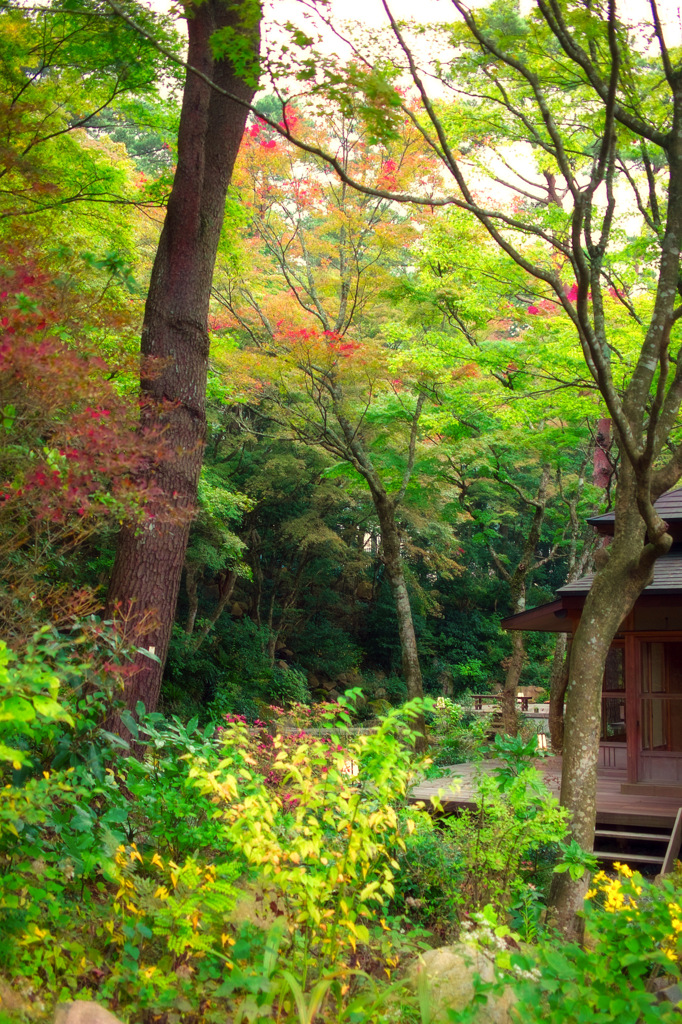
(668, 506)
(667, 576)
(548, 618)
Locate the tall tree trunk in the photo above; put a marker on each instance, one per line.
(392, 559)
(618, 583)
(148, 566)
(226, 592)
(271, 646)
(192, 587)
(602, 470)
(515, 662)
(517, 580)
(558, 680)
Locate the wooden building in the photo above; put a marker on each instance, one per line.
(641, 730)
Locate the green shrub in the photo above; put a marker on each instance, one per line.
(396, 689)
(428, 885)
(633, 937)
(459, 734)
(180, 885)
(516, 818)
(286, 686)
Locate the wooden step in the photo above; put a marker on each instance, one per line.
(673, 840)
(628, 858)
(652, 837)
(652, 789)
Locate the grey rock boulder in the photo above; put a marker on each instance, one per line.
(449, 973)
(83, 1011)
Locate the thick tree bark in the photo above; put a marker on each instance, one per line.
(618, 583)
(146, 576)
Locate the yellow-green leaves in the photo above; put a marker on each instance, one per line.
(326, 844)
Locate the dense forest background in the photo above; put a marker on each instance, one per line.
(453, 372)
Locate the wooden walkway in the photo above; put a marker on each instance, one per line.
(456, 789)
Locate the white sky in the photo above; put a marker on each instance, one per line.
(371, 12)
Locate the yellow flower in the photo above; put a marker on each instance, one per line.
(161, 893)
(157, 862)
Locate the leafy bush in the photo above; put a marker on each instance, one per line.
(231, 659)
(516, 818)
(28, 696)
(428, 885)
(396, 689)
(182, 884)
(459, 734)
(229, 674)
(329, 861)
(287, 686)
(633, 938)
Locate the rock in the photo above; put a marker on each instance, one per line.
(283, 665)
(333, 695)
(449, 973)
(236, 610)
(364, 590)
(10, 1000)
(379, 707)
(83, 1011)
(381, 692)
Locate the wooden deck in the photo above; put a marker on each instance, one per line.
(456, 791)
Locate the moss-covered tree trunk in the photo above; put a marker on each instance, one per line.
(626, 569)
(393, 562)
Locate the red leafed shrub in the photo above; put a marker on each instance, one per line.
(73, 460)
(266, 750)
